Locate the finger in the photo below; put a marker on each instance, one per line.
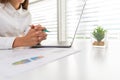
(35, 40)
(40, 39)
(32, 26)
(43, 37)
(35, 33)
(31, 33)
(32, 29)
(36, 28)
(40, 27)
(42, 34)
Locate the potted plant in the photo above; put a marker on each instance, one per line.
(99, 35)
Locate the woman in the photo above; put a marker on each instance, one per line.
(15, 29)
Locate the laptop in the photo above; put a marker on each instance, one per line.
(62, 44)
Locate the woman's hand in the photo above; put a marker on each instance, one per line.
(34, 36)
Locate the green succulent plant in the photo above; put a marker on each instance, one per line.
(99, 33)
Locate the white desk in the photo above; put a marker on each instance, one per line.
(90, 64)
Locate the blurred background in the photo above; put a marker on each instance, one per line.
(104, 13)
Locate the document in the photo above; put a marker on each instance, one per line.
(16, 61)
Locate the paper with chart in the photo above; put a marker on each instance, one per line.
(20, 60)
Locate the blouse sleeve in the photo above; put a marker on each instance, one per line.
(6, 42)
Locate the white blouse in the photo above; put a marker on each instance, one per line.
(13, 23)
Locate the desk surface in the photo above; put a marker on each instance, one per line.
(90, 64)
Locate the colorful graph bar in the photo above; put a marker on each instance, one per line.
(25, 61)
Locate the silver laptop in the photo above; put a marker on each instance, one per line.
(63, 44)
